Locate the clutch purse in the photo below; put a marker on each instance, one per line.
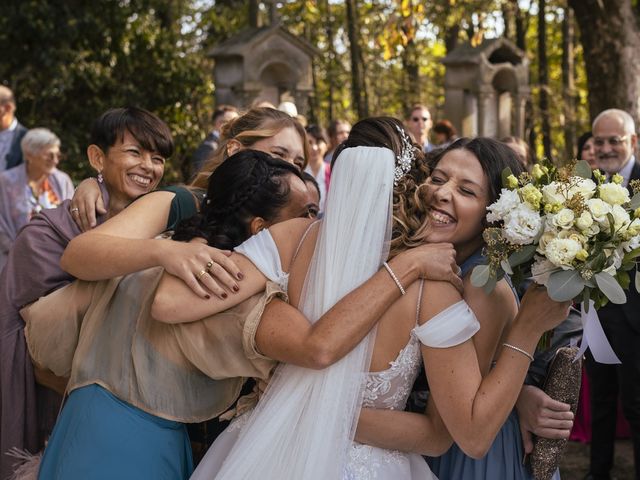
(562, 384)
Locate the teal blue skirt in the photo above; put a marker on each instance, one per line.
(100, 437)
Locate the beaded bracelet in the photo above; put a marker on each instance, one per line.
(518, 349)
(395, 279)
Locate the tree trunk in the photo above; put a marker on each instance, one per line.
(568, 84)
(411, 74)
(331, 56)
(522, 23)
(611, 41)
(451, 38)
(254, 9)
(358, 92)
(543, 79)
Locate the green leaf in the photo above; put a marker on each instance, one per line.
(523, 255)
(610, 287)
(631, 255)
(505, 174)
(564, 285)
(612, 223)
(637, 282)
(623, 279)
(506, 267)
(586, 295)
(635, 201)
(480, 275)
(490, 285)
(582, 169)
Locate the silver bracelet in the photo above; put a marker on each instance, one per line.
(518, 349)
(395, 279)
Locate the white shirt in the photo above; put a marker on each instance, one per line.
(321, 178)
(626, 170)
(6, 137)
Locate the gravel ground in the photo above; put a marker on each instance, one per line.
(575, 464)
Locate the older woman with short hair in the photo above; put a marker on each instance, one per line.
(31, 187)
(129, 147)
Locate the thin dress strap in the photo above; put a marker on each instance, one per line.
(302, 239)
(419, 301)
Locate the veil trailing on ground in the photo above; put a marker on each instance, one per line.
(303, 426)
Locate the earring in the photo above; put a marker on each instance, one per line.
(100, 178)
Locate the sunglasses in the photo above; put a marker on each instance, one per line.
(613, 141)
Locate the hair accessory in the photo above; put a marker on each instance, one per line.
(518, 349)
(393, 275)
(100, 178)
(406, 158)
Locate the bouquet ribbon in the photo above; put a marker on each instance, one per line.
(594, 338)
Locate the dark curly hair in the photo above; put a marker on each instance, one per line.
(251, 184)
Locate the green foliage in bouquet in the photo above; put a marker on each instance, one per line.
(566, 228)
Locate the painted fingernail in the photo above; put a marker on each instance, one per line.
(236, 288)
(240, 276)
(224, 295)
(207, 297)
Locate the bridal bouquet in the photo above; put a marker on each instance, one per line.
(566, 228)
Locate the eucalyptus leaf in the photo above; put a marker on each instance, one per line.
(582, 169)
(480, 275)
(586, 295)
(635, 201)
(610, 287)
(631, 255)
(637, 282)
(506, 267)
(523, 255)
(490, 285)
(564, 285)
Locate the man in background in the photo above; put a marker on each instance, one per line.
(11, 131)
(222, 115)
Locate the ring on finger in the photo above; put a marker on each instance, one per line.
(209, 265)
(75, 210)
(201, 274)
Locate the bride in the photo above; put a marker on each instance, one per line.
(304, 425)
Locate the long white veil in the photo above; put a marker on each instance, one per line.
(303, 425)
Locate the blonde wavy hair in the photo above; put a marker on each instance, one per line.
(408, 212)
(256, 124)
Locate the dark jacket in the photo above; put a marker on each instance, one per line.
(14, 156)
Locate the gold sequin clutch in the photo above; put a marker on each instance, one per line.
(562, 384)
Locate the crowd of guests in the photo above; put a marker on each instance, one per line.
(279, 170)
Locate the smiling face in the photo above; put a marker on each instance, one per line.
(286, 144)
(129, 170)
(43, 161)
(457, 195)
(614, 142)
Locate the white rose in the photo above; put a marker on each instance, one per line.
(551, 194)
(584, 186)
(546, 237)
(613, 194)
(508, 201)
(564, 218)
(522, 225)
(562, 251)
(541, 269)
(584, 221)
(621, 218)
(598, 209)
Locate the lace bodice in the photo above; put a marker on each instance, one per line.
(390, 388)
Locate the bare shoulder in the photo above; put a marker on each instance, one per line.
(501, 300)
(436, 297)
(287, 236)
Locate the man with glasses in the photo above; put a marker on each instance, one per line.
(615, 142)
(11, 131)
(419, 123)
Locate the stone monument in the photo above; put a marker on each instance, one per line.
(486, 89)
(264, 63)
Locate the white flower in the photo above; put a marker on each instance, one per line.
(584, 186)
(541, 269)
(613, 194)
(621, 218)
(551, 194)
(614, 260)
(584, 221)
(563, 219)
(598, 209)
(508, 200)
(522, 225)
(562, 251)
(631, 244)
(546, 237)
